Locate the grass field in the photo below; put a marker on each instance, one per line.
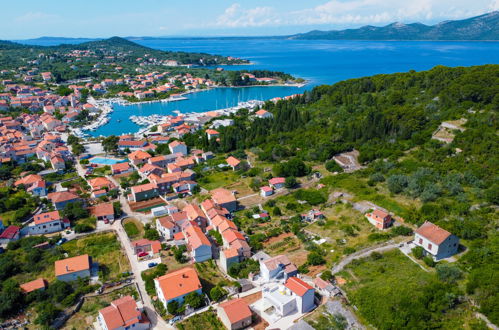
(104, 249)
(391, 292)
(84, 318)
(204, 321)
(209, 275)
(133, 228)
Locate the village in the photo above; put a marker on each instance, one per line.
(193, 249)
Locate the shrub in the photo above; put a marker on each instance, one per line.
(217, 293)
(315, 259)
(401, 230)
(428, 260)
(333, 166)
(418, 252)
(448, 273)
(327, 275)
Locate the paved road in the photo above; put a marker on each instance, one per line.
(156, 321)
(363, 253)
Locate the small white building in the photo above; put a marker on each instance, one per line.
(278, 267)
(266, 191)
(177, 146)
(435, 241)
(159, 211)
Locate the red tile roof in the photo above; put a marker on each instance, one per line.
(433, 233)
(46, 217)
(37, 284)
(10, 232)
(72, 265)
(298, 286)
(236, 310)
(179, 283)
(101, 210)
(122, 313)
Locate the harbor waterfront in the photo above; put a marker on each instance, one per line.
(317, 61)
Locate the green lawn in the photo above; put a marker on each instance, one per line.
(204, 321)
(104, 249)
(391, 292)
(133, 228)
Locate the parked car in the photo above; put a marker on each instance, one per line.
(142, 254)
(61, 241)
(152, 264)
(175, 319)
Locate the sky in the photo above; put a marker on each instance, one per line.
(104, 18)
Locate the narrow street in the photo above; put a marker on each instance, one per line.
(156, 321)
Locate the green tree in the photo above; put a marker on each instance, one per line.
(217, 293)
(110, 144)
(194, 300)
(290, 182)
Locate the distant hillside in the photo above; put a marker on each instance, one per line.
(484, 27)
(117, 45)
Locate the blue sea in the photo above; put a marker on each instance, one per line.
(318, 61)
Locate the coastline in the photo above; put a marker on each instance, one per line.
(105, 105)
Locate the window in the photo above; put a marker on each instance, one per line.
(420, 241)
(429, 246)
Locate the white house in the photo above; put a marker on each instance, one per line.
(70, 269)
(278, 267)
(281, 298)
(176, 285)
(263, 114)
(48, 222)
(167, 227)
(266, 191)
(437, 242)
(177, 146)
(197, 243)
(304, 294)
(122, 314)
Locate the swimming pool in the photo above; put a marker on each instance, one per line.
(105, 161)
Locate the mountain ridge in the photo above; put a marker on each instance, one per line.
(480, 28)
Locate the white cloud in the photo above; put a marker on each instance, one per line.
(355, 12)
(36, 16)
(494, 5)
(237, 16)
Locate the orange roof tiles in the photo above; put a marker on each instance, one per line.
(298, 286)
(196, 237)
(433, 233)
(46, 217)
(101, 210)
(72, 265)
(122, 313)
(233, 161)
(179, 283)
(236, 310)
(37, 284)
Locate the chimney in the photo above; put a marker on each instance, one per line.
(67, 268)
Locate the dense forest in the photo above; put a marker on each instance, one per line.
(390, 119)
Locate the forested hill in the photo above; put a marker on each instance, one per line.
(392, 119)
(117, 45)
(484, 27)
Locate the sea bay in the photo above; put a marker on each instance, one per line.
(317, 61)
